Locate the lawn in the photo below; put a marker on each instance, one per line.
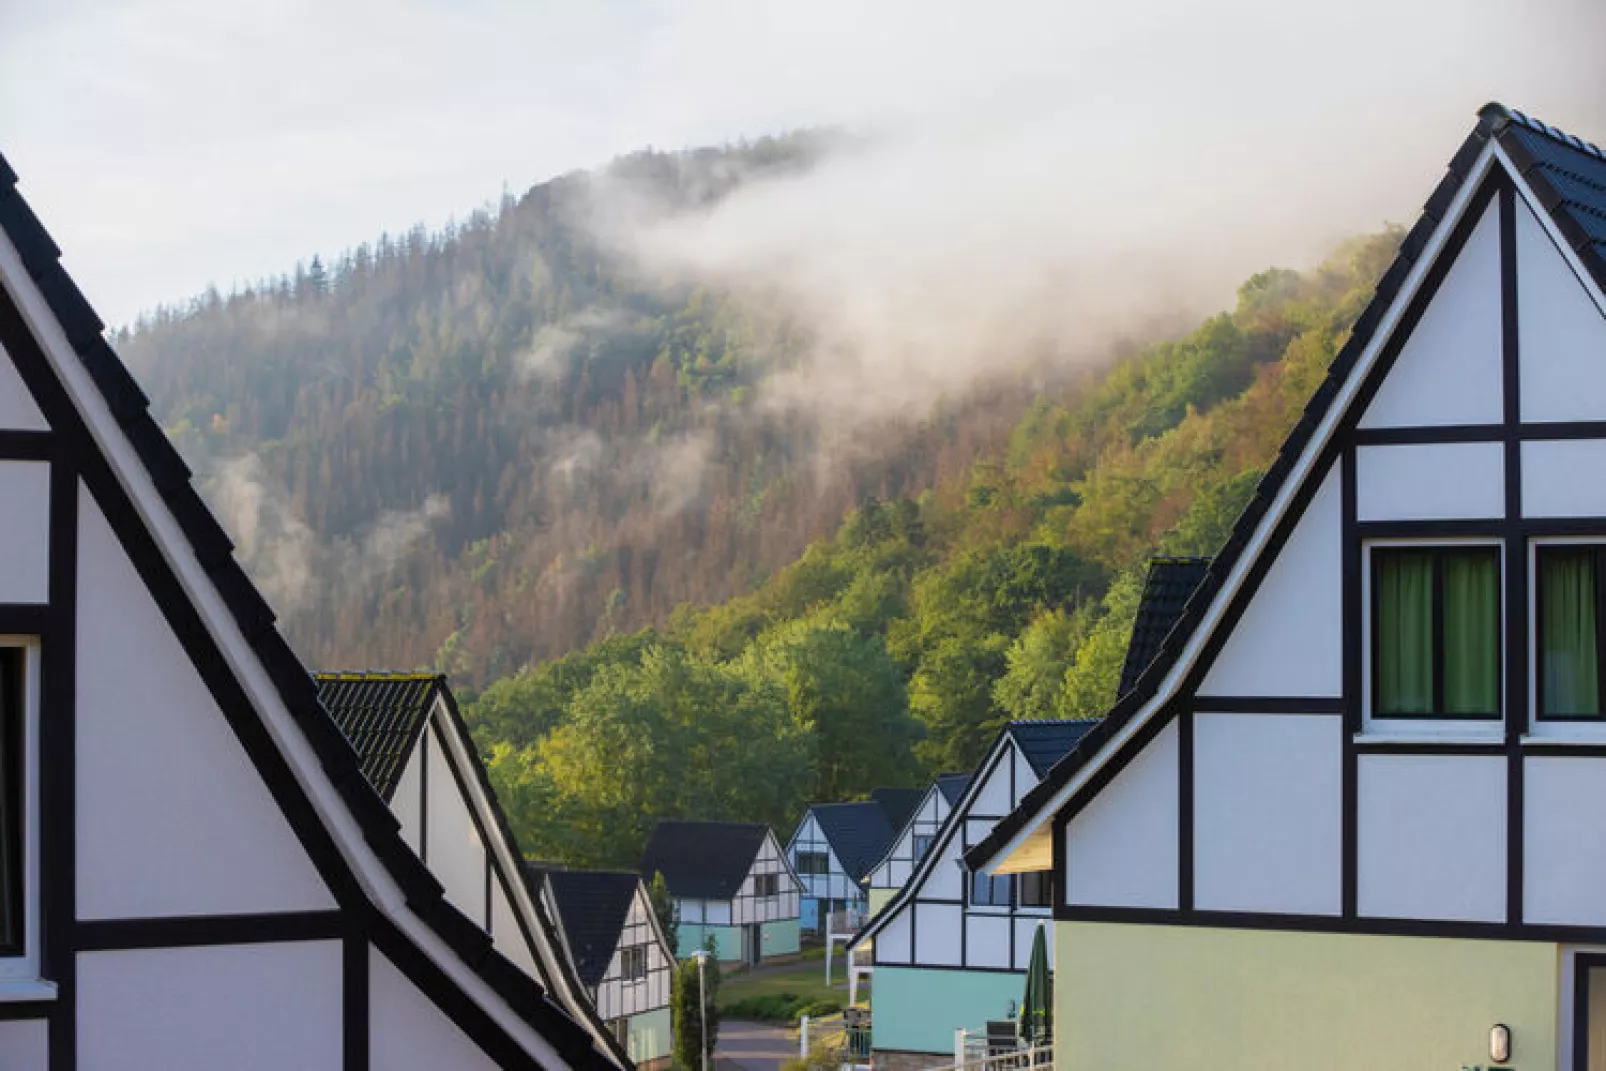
(804, 981)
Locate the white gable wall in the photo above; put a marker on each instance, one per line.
(164, 786)
(18, 411)
(452, 845)
(1121, 849)
(408, 1032)
(1268, 816)
(1565, 866)
(25, 1045)
(1430, 481)
(1289, 640)
(1449, 370)
(1562, 333)
(407, 803)
(242, 1007)
(25, 535)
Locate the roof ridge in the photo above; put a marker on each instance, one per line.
(1497, 115)
(375, 675)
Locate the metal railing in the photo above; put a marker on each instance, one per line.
(979, 1057)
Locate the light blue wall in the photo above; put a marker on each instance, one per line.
(727, 940)
(650, 1036)
(779, 938)
(916, 1010)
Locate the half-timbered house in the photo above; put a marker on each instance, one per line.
(417, 753)
(1349, 814)
(833, 850)
(894, 869)
(949, 951)
(732, 887)
(608, 928)
(194, 872)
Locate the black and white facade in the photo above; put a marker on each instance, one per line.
(1373, 747)
(893, 870)
(731, 885)
(194, 873)
(418, 754)
(620, 953)
(944, 917)
(833, 850)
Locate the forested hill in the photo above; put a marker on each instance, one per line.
(895, 648)
(499, 451)
(493, 443)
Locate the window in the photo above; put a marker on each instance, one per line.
(922, 845)
(813, 863)
(991, 891)
(13, 769)
(766, 884)
(620, 1029)
(633, 963)
(1037, 889)
(1568, 605)
(1436, 632)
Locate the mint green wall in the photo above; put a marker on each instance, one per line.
(915, 1010)
(727, 941)
(650, 1037)
(779, 938)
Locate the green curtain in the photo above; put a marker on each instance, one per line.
(1471, 632)
(1405, 632)
(1569, 656)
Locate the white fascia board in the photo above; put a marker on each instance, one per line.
(1296, 478)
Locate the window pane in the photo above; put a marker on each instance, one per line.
(11, 773)
(1568, 655)
(1471, 632)
(1404, 631)
(1034, 889)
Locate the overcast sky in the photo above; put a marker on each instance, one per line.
(170, 144)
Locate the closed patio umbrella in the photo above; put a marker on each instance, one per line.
(1037, 1005)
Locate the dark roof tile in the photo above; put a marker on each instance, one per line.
(383, 715)
(592, 908)
(859, 834)
(952, 786)
(1046, 742)
(1169, 585)
(702, 860)
(899, 803)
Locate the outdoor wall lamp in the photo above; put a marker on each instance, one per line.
(1500, 1043)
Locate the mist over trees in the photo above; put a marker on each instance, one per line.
(501, 452)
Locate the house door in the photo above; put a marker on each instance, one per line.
(1589, 1013)
(755, 935)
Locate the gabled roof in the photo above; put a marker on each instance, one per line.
(858, 833)
(383, 715)
(1567, 177)
(1170, 583)
(898, 803)
(702, 860)
(1046, 742)
(98, 422)
(592, 908)
(952, 786)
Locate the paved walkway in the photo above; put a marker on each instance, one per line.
(754, 1046)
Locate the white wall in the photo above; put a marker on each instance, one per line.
(937, 934)
(987, 939)
(1449, 370)
(172, 817)
(407, 1032)
(18, 412)
(1430, 481)
(406, 803)
(1431, 832)
(453, 849)
(25, 1045)
(1564, 868)
(1562, 478)
(508, 937)
(24, 531)
(1121, 850)
(993, 800)
(894, 943)
(1289, 640)
(1268, 816)
(265, 1007)
(768, 860)
(616, 997)
(1562, 333)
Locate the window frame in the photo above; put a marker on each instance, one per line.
(1008, 900)
(1536, 622)
(19, 972)
(1045, 884)
(918, 851)
(626, 955)
(1478, 728)
(772, 879)
(825, 863)
(1575, 730)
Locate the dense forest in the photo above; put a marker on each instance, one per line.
(497, 451)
